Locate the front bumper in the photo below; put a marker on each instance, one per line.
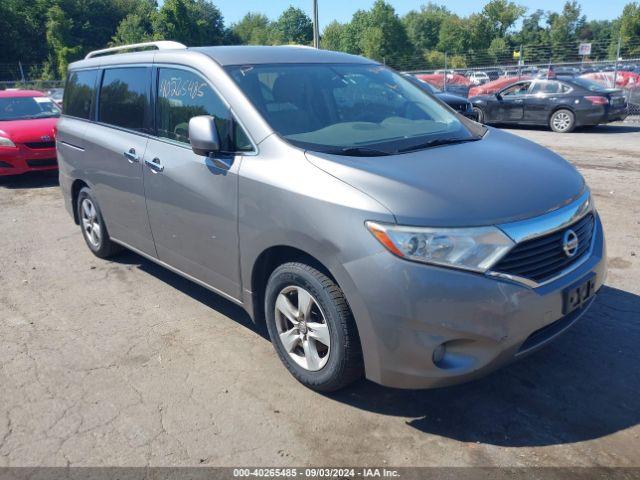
(21, 159)
(406, 310)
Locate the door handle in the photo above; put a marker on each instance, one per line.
(154, 164)
(132, 156)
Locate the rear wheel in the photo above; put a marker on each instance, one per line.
(312, 328)
(93, 228)
(562, 121)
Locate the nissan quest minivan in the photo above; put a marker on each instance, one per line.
(374, 230)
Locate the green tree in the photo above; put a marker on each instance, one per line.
(332, 36)
(563, 30)
(454, 36)
(253, 29)
(377, 33)
(59, 29)
(502, 14)
(423, 27)
(628, 30)
(294, 26)
(137, 26)
(192, 22)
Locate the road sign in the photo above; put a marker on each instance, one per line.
(584, 49)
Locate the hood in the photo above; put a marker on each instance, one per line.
(21, 131)
(498, 179)
(450, 99)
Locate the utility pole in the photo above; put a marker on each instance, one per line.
(615, 67)
(444, 81)
(22, 71)
(520, 62)
(316, 26)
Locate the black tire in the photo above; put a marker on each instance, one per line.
(344, 365)
(104, 248)
(479, 114)
(567, 124)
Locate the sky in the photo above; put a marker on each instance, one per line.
(342, 10)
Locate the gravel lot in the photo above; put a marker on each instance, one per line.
(123, 363)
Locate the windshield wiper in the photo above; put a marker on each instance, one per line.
(435, 142)
(363, 152)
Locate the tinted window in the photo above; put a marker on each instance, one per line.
(517, 89)
(79, 93)
(183, 95)
(590, 85)
(124, 98)
(545, 86)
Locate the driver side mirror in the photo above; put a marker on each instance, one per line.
(203, 135)
(498, 96)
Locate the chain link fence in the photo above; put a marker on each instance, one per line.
(608, 62)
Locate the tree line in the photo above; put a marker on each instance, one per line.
(51, 33)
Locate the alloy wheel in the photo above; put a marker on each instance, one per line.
(302, 328)
(90, 222)
(561, 121)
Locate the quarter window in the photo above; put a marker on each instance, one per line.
(183, 95)
(79, 93)
(124, 98)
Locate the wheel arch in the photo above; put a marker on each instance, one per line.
(76, 186)
(264, 265)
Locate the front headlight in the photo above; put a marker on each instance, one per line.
(5, 142)
(475, 249)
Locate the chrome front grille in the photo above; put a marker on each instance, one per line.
(543, 257)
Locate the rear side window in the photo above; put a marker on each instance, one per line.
(124, 98)
(79, 93)
(183, 95)
(545, 86)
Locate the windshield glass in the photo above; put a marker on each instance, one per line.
(23, 108)
(349, 109)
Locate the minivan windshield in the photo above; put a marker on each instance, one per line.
(349, 109)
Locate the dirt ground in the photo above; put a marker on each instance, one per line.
(123, 363)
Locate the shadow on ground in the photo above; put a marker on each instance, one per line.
(30, 180)
(195, 291)
(583, 386)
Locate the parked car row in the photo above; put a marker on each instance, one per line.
(562, 104)
(560, 101)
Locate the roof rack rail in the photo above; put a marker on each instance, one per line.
(159, 45)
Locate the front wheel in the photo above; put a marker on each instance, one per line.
(312, 328)
(479, 114)
(562, 121)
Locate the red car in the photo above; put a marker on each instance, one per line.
(498, 84)
(27, 123)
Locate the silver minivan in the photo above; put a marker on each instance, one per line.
(375, 231)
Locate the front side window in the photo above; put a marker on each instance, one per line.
(79, 93)
(182, 95)
(349, 109)
(517, 89)
(124, 98)
(26, 108)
